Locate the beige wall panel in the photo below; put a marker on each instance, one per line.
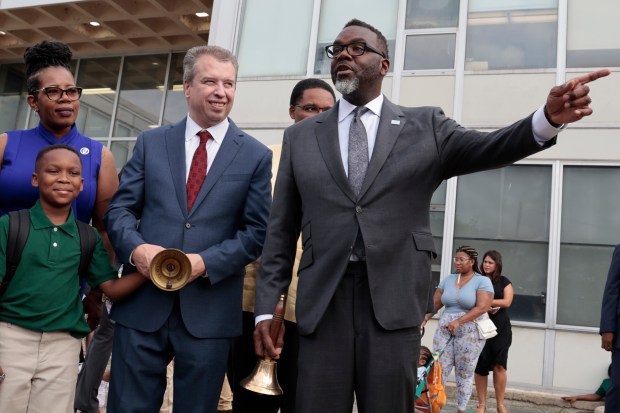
(500, 99)
(585, 144)
(262, 101)
(428, 91)
(266, 136)
(525, 358)
(580, 363)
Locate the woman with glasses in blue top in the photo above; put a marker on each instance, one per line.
(466, 295)
(54, 97)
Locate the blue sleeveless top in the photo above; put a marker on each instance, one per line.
(22, 147)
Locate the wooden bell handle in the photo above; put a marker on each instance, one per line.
(278, 319)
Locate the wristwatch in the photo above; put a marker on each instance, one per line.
(2, 377)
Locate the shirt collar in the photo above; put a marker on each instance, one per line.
(40, 221)
(345, 107)
(217, 131)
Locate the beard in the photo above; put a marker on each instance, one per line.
(347, 86)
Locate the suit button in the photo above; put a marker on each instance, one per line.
(358, 209)
(188, 225)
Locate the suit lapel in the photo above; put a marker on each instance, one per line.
(391, 123)
(228, 150)
(327, 138)
(175, 146)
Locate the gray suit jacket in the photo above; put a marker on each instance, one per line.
(416, 149)
(226, 226)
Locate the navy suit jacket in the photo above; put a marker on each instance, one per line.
(226, 226)
(610, 311)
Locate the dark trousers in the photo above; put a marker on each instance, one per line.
(612, 398)
(139, 361)
(350, 353)
(94, 365)
(243, 361)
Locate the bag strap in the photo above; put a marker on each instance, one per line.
(19, 228)
(87, 246)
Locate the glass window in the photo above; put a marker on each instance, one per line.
(336, 13)
(122, 151)
(139, 100)
(263, 50)
(437, 213)
(425, 14)
(176, 104)
(588, 42)
(13, 97)
(508, 210)
(99, 78)
(430, 51)
(589, 234)
(511, 34)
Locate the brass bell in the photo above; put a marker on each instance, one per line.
(264, 377)
(170, 269)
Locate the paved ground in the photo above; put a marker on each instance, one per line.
(517, 401)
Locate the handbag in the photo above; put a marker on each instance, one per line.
(486, 327)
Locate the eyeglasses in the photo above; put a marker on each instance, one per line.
(460, 259)
(55, 93)
(311, 108)
(353, 49)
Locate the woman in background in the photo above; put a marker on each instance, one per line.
(494, 356)
(466, 296)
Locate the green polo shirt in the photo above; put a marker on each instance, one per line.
(44, 292)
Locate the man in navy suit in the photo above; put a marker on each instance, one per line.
(220, 226)
(610, 326)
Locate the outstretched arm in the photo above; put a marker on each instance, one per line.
(122, 287)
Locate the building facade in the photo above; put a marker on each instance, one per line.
(486, 63)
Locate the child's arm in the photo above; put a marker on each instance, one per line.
(121, 287)
(592, 397)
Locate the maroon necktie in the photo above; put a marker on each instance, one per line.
(198, 169)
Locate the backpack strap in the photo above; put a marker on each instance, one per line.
(19, 228)
(87, 246)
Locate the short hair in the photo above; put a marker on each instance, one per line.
(471, 253)
(53, 147)
(497, 258)
(218, 53)
(426, 353)
(382, 40)
(43, 55)
(312, 83)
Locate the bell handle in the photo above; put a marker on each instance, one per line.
(278, 319)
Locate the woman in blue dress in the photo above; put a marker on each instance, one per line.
(466, 295)
(54, 97)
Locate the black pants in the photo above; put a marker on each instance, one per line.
(350, 353)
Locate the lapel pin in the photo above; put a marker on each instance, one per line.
(395, 122)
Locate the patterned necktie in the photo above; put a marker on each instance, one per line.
(358, 150)
(198, 169)
(358, 164)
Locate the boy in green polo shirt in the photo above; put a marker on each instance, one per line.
(41, 316)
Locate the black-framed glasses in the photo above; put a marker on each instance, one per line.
(312, 108)
(55, 93)
(353, 49)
